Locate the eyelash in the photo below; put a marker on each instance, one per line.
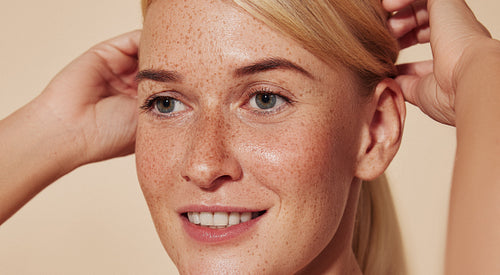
(266, 90)
(148, 105)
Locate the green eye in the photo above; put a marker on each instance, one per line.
(167, 105)
(266, 101)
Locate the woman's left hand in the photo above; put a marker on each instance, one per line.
(459, 87)
(455, 36)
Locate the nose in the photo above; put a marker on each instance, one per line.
(209, 160)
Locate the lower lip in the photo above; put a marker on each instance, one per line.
(210, 235)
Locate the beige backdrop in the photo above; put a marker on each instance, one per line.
(95, 220)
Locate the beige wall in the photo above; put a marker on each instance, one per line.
(95, 221)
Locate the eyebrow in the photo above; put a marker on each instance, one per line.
(159, 76)
(257, 67)
(271, 64)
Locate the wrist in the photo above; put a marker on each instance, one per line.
(57, 138)
(35, 153)
(476, 75)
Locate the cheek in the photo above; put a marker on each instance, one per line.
(301, 159)
(310, 168)
(152, 153)
(159, 154)
(154, 162)
(154, 156)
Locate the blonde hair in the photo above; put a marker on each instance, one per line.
(351, 33)
(377, 240)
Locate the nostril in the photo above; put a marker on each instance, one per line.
(210, 170)
(225, 178)
(213, 185)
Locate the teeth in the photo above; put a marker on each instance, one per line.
(219, 220)
(206, 218)
(194, 217)
(234, 218)
(244, 217)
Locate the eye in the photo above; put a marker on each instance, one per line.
(167, 105)
(164, 105)
(265, 101)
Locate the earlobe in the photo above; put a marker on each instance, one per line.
(382, 131)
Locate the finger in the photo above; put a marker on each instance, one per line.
(127, 43)
(416, 88)
(120, 53)
(420, 69)
(118, 61)
(419, 35)
(408, 18)
(424, 92)
(116, 70)
(395, 5)
(409, 84)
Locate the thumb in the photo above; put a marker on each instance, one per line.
(425, 93)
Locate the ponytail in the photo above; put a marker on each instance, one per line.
(377, 242)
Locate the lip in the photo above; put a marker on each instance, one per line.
(210, 235)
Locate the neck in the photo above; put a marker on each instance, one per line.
(338, 257)
(343, 264)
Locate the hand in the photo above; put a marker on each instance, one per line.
(455, 36)
(94, 99)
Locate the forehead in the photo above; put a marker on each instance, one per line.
(212, 33)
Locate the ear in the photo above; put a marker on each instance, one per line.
(382, 130)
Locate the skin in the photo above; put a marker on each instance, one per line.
(463, 76)
(302, 161)
(86, 114)
(459, 87)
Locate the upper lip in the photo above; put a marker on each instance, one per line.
(219, 208)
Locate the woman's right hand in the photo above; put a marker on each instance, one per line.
(87, 113)
(94, 99)
(455, 36)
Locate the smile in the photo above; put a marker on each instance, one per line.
(220, 220)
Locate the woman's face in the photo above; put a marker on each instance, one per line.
(241, 125)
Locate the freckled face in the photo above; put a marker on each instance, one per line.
(223, 128)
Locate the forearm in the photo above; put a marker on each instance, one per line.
(34, 153)
(473, 245)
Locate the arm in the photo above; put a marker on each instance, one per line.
(473, 245)
(35, 152)
(460, 87)
(86, 114)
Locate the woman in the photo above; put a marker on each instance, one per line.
(220, 167)
(240, 120)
